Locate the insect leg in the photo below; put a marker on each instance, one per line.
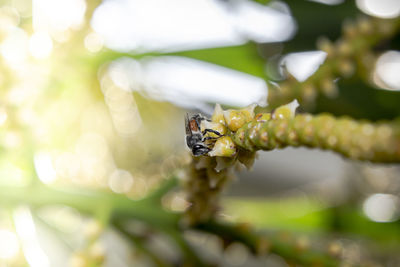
(211, 131)
(199, 119)
(209, 138)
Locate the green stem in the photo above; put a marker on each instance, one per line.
(90, 202)
(261, 244)
(163, 189)
(140, 246)
(188, 253)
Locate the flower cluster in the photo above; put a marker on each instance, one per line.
(209, 174)
(350, 53)
(361, 140)
(245, 133)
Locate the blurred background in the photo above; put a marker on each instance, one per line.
(93, 96)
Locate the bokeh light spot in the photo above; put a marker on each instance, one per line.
(40, 45)
(57, 15)
(382, 207)
(94, 42)
(44, 167)
(9, 18)
(9, 246)
(380, 8)
(387, 71)
(24, 7)
(121, 181)
(26, 231)
(14, 48)
(3, 116)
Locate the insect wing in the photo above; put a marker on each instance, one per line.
(187, 125)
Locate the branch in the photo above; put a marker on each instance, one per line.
(246, 133)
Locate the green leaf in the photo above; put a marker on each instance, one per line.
(361, 101)
(315, 20)
(244, 58)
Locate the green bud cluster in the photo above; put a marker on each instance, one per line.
(361, 140)
(203, 188)
(351, 52)
(208, 175)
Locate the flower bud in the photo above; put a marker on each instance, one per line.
(329, 88)
(237, 118)
(309, 93)
(247, 158)
(262, 117)
(365, 25)
(343, 48)
(335, 249)
(286, 111)
(325, 45)
(349, 29)
(224, 163)
(218, 115)
(224, 147)
(346, 68)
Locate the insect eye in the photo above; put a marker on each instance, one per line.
(190, 141)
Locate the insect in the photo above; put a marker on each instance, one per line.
(195, 137)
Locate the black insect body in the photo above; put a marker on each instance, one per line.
(195, 137)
